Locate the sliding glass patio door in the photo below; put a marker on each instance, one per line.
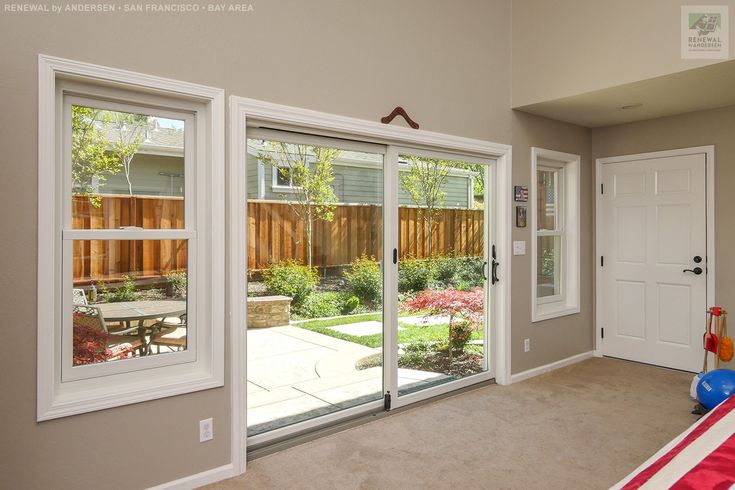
(315, 282)
(369, 271)
(441, 217)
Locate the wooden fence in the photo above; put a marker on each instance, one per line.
(274, 233)
(109, 260)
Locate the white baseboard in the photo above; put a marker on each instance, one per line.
(515, 378)
(200, 479)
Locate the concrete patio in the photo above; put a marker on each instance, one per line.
(295, 374)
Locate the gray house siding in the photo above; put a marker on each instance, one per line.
(357, 185)
(252, 176)
(150, 175)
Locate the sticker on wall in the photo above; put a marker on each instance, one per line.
(521, 216)
(521, 193)
(704, 32)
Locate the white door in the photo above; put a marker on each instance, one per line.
(652, 233)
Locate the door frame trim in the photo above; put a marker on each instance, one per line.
(244, 111)
(709, 152)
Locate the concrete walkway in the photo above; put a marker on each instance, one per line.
(295, 374)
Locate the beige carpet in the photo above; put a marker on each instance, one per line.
(584, 426)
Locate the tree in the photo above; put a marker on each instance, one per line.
(465, 310)
(478, 181)
(90, 162)
(129, 132)
(309, 169)
(424, 183)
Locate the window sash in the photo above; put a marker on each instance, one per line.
(558, 270)
(191, 186)
(559, 198)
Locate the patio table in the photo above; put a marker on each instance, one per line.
(131, 311)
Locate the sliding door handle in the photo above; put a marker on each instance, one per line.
(494, 278)
(484, 271)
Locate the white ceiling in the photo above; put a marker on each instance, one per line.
(703, 88)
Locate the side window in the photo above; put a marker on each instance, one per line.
(555, 221)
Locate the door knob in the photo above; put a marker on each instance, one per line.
(696, 270)
(697, 259)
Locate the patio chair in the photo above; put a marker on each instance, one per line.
(91, 316)
(79, 296)
(167, 336)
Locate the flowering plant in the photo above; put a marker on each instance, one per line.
(464, 308)
(91, 345)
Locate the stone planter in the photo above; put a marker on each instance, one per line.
(269, 311)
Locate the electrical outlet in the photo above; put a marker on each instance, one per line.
(206, 430)
(526, 345)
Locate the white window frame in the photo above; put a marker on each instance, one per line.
(567, 302)
(62, 390)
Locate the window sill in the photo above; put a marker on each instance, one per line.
(552, 310)
(91, 395)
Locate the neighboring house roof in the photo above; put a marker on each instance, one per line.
(157, 140)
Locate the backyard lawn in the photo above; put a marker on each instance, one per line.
(407, 333)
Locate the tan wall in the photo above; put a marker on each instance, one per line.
(577, 46)
(714, 127)
(558, 338)
(443, 61)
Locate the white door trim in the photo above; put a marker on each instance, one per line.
(709, 152)
(243, 111)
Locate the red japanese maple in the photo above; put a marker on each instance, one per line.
(90, 346)
(464, 308)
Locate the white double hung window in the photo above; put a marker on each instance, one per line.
(555, 225)
(131, 271)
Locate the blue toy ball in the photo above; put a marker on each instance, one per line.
(715, 387)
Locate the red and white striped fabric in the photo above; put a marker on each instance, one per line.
(703, 457)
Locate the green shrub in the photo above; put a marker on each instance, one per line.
(464, 273)
(125, 292)
(413, 275)
(177, 282)
(289, 278)
(352, 303)
(469, 273)
(365, 281)
(320, 305)
(445, 269)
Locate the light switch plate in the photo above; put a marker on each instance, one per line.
(519, 247)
